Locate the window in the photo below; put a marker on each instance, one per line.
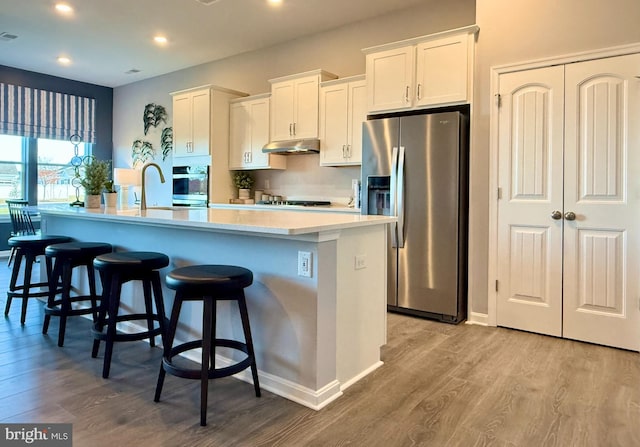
(38, 169)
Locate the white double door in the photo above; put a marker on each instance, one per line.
(569, 205)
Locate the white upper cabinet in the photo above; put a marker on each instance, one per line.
(343, 108)
(201, 134)
(294, 105)
(191, 123)
(424, 72)
(249, 132)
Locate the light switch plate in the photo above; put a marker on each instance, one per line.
(305, 263)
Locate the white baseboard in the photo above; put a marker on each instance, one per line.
(314, 399)
(354, 379)
(478, 318)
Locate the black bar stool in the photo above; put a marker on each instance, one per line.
(29, 248)
(116, 269)
(65, 258)
(210, 284)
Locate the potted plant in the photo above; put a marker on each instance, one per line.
(96, 175)
(243, 181)
(109, 194)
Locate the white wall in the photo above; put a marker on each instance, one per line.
(518, 31)
(337, 51)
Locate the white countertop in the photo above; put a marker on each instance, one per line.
(280, 222)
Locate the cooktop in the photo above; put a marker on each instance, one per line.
(295, 202)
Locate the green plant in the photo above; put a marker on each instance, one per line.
(153, 115)
(166, 142)
(242, 180)
(108, 186)
(141, 152)
(96, 175)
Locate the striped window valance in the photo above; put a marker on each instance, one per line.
(35, 113)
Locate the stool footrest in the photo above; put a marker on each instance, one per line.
(213, 373)
(18, 291)
(53, 309)
(100, 335)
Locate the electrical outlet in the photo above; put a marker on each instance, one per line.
(305, 264)
(360, 262)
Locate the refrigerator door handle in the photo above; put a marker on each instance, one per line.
(400, 198)
(393, 194)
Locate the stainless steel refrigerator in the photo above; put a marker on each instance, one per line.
(416, 168)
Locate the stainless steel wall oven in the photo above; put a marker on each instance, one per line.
(191, 186)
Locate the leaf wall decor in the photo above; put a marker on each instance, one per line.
(153, 115)
(166, 142)
(141, 152)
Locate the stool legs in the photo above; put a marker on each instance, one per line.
(208, 344)
(14, 278)
(108, 314)
(168, 343)
(208, 333)
(244, 316)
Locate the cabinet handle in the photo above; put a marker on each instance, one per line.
(294, 129)
(570, 215)
(406, 94)
(419, 91)
(290, 127)
(344, 151)
(348, 151)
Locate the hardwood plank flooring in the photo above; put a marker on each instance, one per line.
(441, 385)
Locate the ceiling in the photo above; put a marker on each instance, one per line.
(105, 39)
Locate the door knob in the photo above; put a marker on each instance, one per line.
(556, 215)
(570, 215)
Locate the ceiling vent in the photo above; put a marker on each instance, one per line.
(208, 2)
(7, 37)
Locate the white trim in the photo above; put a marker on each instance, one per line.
(478, 319)
(471, 29)
(357, 377)
(494, 132)
(314, 399)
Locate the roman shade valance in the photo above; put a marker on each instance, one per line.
(35, 113)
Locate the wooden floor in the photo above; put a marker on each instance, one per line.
(441, 385)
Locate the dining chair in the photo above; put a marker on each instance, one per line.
(21, 223)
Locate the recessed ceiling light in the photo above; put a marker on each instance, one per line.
(63, 8)
(64, 60)
(161, 40)
(275, 2)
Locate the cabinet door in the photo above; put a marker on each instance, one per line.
(282, 117)
(334, 125)
(357, 114)
(442, 71)
(305, 123)
(259, 132)
(201, 122)
(390, 78)
(239, 131)
(181, 125)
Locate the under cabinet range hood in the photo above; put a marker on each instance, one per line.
(290, 147)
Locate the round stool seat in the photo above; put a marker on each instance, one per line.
(78, 250)
(203, 279)
(128, 260)
(36, 241)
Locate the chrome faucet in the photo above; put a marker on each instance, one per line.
(143, 195)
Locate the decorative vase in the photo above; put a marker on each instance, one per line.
(243, 193)
(110, 199)
(92, 201)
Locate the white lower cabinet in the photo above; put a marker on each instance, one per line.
(249, 132)
(343, 108)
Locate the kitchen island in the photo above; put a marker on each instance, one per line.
(314, 336)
